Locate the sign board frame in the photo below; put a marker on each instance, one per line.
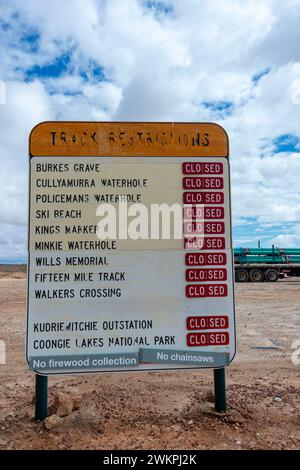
(117, 139)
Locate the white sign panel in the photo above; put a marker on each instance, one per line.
(149, 295)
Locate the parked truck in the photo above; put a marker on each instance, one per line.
(265, 264)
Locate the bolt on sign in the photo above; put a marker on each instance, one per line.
(130, 250)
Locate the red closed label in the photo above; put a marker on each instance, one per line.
(207, 323)
(195, 227)
(209, 274)
(202, 183)
(196, 197)
(201, 212)
(202, 168)
(204, 259)
(204, 243)
(205, 290)
(207, 339)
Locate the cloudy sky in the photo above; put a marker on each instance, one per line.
(234, 62)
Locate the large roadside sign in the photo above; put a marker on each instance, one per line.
(130, 252)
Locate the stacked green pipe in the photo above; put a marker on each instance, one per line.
(267, 255)
(268, 259)
(267, 251)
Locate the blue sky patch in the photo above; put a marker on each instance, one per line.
(260, 74)
(248, 234)
(54, 70)
(286, 143)
(93, 71)
(31, 40)
(224, 108)
(4, 26)
(244, 235)
(159, 7)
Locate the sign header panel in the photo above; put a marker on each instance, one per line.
(127, 138)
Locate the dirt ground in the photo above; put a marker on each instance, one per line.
(169, 410)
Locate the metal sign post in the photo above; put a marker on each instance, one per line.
(220, 390)
(41, 397)
(130, 251)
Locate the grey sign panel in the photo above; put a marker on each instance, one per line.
(203, 359)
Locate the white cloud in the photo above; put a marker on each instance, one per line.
(160, 67)
(284, 240)
(26, 104)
